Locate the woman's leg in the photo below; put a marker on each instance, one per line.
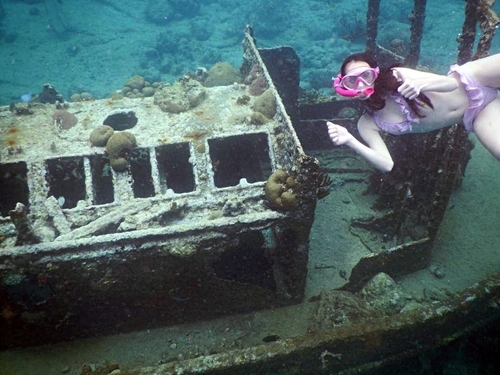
(487, 127)
(486, 70)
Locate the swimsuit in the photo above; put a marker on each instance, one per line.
(479, 97)
(397, 128)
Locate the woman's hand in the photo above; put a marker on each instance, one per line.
(376, 152)
(338, 134)
(409, 88)
(414, 82)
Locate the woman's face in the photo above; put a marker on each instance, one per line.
(355, 70)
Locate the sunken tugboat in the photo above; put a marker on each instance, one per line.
(190, 204)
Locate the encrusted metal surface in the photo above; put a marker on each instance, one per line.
(354, 348)
(183, 233)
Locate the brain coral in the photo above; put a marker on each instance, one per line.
(222, 74)
(119, 148)
(99, 136)
(266, 104)
(280, 191)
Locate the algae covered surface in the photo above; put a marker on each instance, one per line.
(107, 49)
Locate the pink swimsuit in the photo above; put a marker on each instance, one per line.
(479, 97)
(397, 128)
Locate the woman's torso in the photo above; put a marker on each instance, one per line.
(449, 108)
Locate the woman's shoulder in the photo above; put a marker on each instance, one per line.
(367, 121)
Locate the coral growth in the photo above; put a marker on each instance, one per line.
(64, 120)
(21, 109)
(49, 95)
(243, 100)
(82, 97)
(181, 96)
(25, 234)
(258, 86)
(136, 82)
(280, 190)
(138, 87)
(99, 136)
(257, 118)
(119, 148)
(266, 104)
(255, 80)
(222, 74)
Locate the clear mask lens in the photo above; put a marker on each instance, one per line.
(350, 81)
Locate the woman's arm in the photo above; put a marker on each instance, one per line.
(376, 152)
(414, 82)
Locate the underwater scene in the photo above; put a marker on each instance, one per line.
(265, 187)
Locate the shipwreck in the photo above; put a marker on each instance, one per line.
(195, 205)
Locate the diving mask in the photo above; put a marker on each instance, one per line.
(347, 85)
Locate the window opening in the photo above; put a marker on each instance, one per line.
(140, 168)
(175, 170)
(13, 186)
(242, 156)
(102, 179)
(247, 263)
(66, 179)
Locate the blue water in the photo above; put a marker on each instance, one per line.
(95, 46)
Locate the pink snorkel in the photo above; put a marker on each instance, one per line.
(339, 83)
(350, 93)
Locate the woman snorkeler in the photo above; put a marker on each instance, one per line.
(401, 100)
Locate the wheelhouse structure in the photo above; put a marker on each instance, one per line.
(181, 231)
